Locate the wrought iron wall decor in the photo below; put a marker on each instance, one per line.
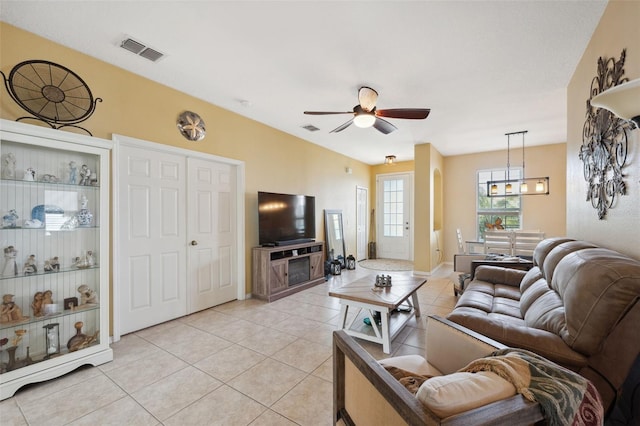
(604, 141)
(52, 93)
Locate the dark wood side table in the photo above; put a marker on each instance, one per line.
(521, 264)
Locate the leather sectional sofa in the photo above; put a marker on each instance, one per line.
(578, 306)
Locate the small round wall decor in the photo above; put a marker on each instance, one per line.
(191, 125)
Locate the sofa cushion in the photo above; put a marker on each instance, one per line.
(515, 333)
(458, 392)
(598, 286)
(544, 248)
(557, 254)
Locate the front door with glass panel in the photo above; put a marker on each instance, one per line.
(394, 222)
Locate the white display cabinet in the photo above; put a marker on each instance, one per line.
(54, 263)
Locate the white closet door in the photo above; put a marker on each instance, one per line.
(211, 230)
(152, 235)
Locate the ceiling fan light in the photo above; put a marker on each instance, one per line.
(364, 120)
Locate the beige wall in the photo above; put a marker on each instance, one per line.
(543, 212)
(140, 108)
(619, 28)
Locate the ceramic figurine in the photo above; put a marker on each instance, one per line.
(87, 295)
(94, 179)
(48, 178)
(30, 266)
(80, 340)
(85, 175)
(29, 175)
(33, 223)
(55, 264)
(36, 305)
(73, 173)
(10, 220)
(85, 261)
(10, 311)
(9, 166)
(85, 217)
(18, 338)
(47, 298)
(10, 265)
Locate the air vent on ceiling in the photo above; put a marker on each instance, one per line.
(311, 128)
(140, 49)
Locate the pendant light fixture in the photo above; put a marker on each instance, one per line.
(502, 188)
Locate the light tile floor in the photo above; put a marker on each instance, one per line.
(242, 363)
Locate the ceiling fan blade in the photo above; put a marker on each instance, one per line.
(327, 112)
(384, 126)
(367, 98)
(342, 127)
(410, 113)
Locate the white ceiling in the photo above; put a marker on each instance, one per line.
(484, 68)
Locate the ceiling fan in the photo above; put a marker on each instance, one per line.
(366, 115)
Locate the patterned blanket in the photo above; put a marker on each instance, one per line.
(566, 397)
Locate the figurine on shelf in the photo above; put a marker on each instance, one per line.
(9, 166)
(10, 265)
(18, 338)
(81, 340)
(33, 223)
(85, 261)
(87, 295)
(85, 175)
(10, 220)
(30, 265)
(10, 312)
(73, 173)
(36, 305)
(94, 179)
(47, 298)
(84, 215)
(47, 266)
(29, 175)
(55, 264)
(49, 178)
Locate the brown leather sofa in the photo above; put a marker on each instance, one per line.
(578, 306)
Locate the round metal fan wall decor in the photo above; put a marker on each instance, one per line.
(50, 92)
(191, 126)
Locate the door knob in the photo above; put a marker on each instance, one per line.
(194, 243)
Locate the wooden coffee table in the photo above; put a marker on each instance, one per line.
(363, 295)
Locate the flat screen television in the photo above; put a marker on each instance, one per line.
(286, 219)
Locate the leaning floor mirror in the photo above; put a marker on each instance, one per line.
(334, 236)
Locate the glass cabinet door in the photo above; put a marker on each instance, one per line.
(51, 282)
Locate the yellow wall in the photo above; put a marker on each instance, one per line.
(619, 28)
(543, 212)
(140, 108)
